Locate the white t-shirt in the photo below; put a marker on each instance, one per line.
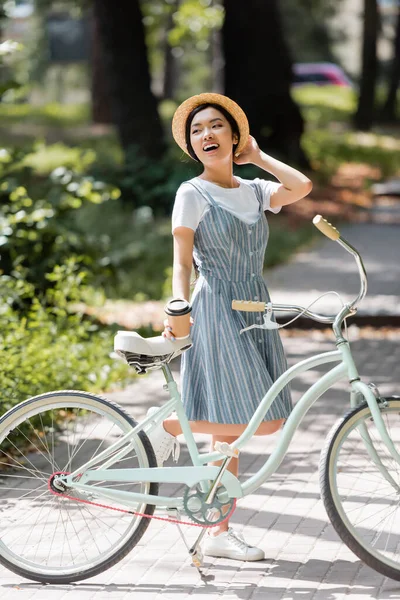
(190, 206)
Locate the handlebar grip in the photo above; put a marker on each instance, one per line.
(248, 305)
(326, 228)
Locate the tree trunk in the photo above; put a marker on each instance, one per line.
(171, 71)
(217, 61)
(134, 107)
(258, 76)
(100, 92)
(389, 111)
(364, 116)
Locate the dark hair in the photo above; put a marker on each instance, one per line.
(227, 115)
(235, 130)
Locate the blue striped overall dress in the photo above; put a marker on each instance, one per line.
(225, 374)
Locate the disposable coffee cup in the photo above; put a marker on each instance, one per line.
(178, 312)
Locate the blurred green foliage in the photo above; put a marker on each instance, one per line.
(322, 106)
(329, 139)
(52, 114)
(194, 21)
(36, 232)
(313, 40)
(45, 346)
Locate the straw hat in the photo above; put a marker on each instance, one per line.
(184, 110)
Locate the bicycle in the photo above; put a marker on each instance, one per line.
(83, 490)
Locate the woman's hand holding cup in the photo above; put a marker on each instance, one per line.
(168, 333)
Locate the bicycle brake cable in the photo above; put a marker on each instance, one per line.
(268, 324)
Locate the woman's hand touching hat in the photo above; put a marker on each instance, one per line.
(248, 155)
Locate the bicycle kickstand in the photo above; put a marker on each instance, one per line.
(175, 515)
(229, 453)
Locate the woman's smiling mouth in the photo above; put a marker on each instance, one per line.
(210, 148)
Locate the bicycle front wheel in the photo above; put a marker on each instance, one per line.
(55, 539)
(360, 485)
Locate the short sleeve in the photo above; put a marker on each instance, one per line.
(267, 187)
(189, 207)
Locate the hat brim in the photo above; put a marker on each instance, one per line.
(184, 110)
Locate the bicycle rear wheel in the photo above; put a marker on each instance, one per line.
(363, 506)
(54, 539)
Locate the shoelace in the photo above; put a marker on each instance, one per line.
(176, 450)
(167, 447)
(237, 539)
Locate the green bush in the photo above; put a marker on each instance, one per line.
(47, 347)
(146, 182)
(36, 225)
(323, 106)
(139, 248)
(328, 150)
(54, 114)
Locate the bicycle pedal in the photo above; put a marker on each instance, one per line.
(197, 559)
(226, 449)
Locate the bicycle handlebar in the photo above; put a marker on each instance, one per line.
(349, 309)
(326, 228)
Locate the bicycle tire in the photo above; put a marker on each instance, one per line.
(32, 516)
(349, 506)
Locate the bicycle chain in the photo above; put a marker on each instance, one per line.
(132, 512)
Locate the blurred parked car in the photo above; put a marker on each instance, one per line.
(320, 74)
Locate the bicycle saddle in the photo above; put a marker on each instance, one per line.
(145, 354)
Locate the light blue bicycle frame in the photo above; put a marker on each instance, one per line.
(346, 369)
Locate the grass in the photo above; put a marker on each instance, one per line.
(50, 115)
(323, 106)
(329, 139)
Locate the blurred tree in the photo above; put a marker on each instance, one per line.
(314, 39)
(365, 113)
(171, 70)
(100, 91)
(217, 60)
(196, 41)
(125, 61)
(3, 16)
(258, 76)
(389, 110)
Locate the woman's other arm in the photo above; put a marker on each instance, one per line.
(181, 269)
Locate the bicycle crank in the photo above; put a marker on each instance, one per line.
(206, 513)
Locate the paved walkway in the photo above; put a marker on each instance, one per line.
(327, 266)
(305, 558)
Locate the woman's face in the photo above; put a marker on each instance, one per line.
(211, 136)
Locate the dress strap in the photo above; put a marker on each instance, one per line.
(204, 193)
(258, 193)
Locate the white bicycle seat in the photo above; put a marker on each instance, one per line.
(148, 353)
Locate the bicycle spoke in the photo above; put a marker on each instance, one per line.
(79, 448)
(45, 445)
(369, 501)
(64, 535)
(33, 470)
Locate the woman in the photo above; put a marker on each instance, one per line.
(218, 218)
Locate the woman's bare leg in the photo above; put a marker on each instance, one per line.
(233, 467)
(221, 432)
(173, 427)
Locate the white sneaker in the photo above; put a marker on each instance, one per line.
(163, 442)
(231, 544)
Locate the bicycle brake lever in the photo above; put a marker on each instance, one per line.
(268, 323)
